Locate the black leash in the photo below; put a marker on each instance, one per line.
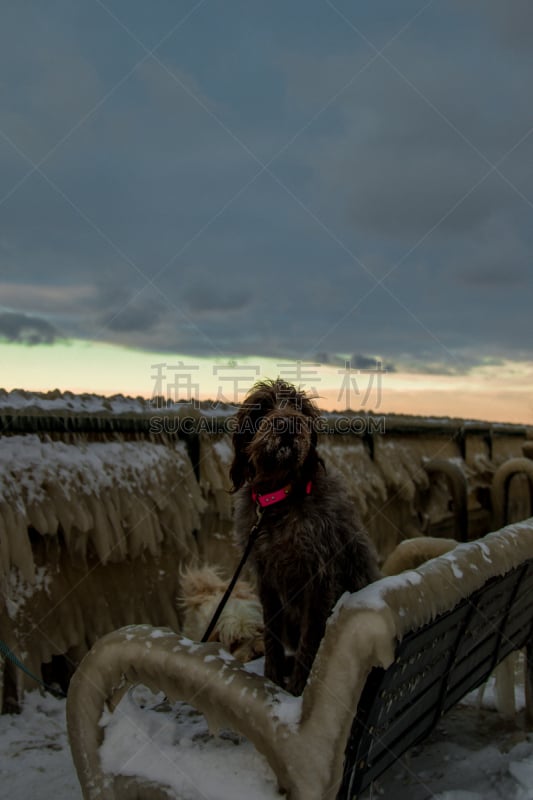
(252, 537)
(7, 653)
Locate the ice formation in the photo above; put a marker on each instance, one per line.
(92, 535)
(305, 750)
(98, 513)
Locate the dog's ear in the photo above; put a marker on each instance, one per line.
(312, 464)
(238, 470)
(260, 399)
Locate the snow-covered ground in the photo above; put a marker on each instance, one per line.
(472, 755)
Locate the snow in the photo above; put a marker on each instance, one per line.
(224, 450)
(56, 401)
(94, 492)
(375, 593)
(35, 758)
(361, 634)
(28, 465)
(287, 710)
(472, 755)
(177, 750)
(20, 591)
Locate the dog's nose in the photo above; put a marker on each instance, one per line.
(284, 453)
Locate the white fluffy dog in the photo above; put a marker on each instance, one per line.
(240, 626)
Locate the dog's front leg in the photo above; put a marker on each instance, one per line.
(313, 626)
(273, 621)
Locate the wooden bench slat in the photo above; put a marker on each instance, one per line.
(434, 668)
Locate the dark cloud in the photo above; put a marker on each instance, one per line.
(133, 318)
(206, 299)
(510, 21)
(498, 259)
(56, 79)
(124, 310)
(25, 329)
(420, 158)
(327, 358)
(495, 276)
(359, 361)
(379, 171)
(462, 365)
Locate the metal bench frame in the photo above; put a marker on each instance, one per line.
(395, 656)
(433, 669)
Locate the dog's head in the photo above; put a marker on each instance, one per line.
(275, 436)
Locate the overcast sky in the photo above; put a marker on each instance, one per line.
(292, 179)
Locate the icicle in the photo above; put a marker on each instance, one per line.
(144, 518)
(52, 522)
(5, 553)
(62, 507)
(100, 532)
(116, 529)
(113, 505)
(82, 517)
(214, 479)
(19, 543)
(36, 518)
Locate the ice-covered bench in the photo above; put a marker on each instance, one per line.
(395, 656)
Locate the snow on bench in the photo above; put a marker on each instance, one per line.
(395, 656)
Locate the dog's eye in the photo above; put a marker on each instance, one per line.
(235, 646)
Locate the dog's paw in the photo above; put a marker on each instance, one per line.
(296, 683)
(274, 672)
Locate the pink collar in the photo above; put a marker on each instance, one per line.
(269, 499)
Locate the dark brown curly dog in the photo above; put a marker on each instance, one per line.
(311, 546)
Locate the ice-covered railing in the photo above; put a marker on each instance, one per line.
(22, 404)
(120, 498)
(93, 534)
(107, 498)
(382, 456)
(306, 750)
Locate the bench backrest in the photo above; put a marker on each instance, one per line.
(434, 668)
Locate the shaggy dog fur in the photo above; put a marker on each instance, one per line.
(311, 546)
(240, 626)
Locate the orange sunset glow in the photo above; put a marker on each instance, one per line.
(491, 393)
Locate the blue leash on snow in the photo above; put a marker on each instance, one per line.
(5, 651)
